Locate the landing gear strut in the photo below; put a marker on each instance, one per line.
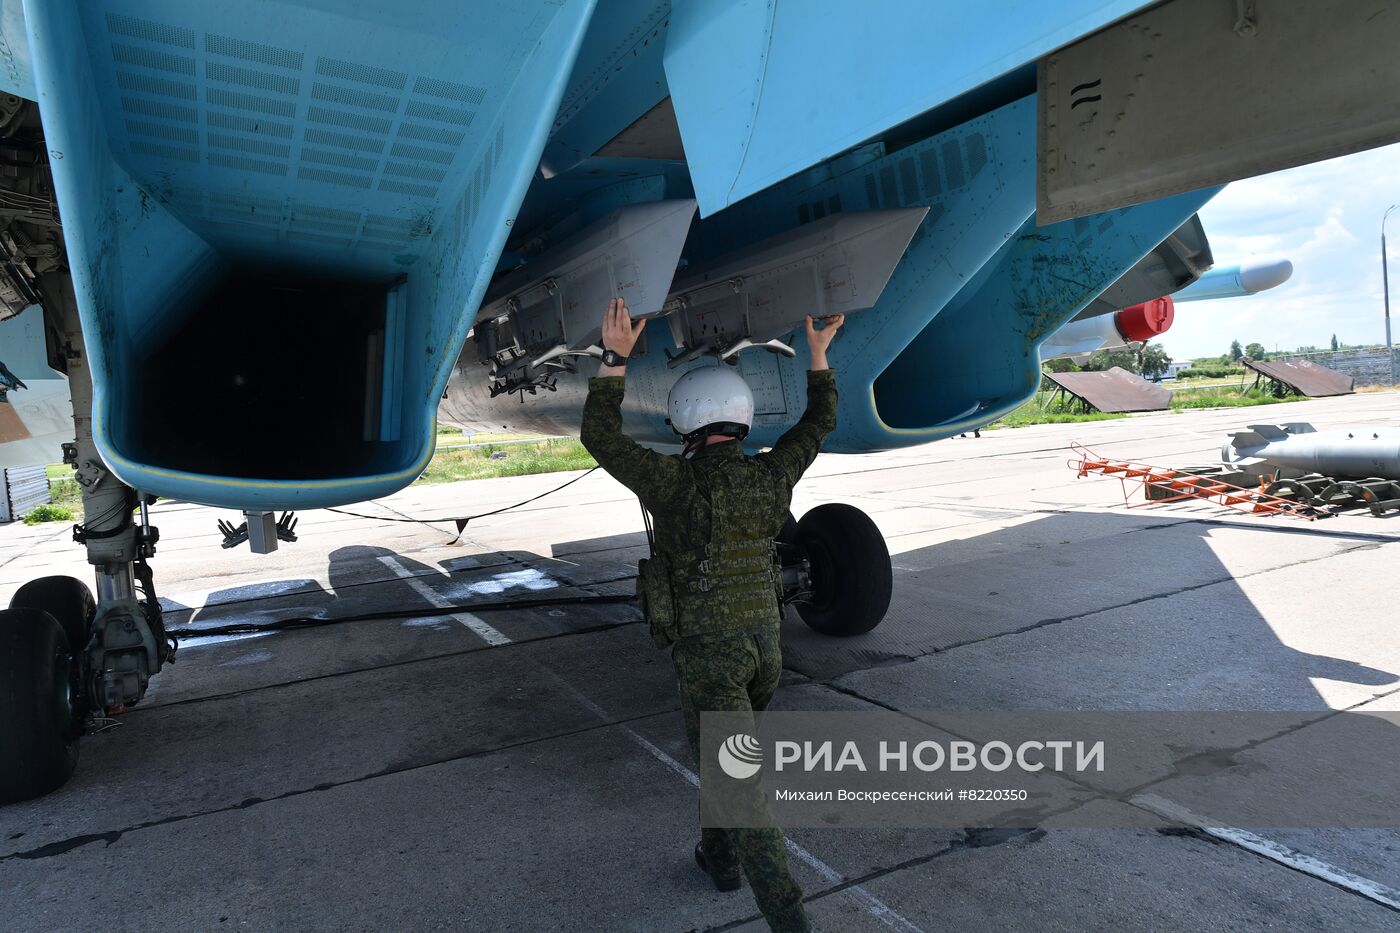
(836, 570)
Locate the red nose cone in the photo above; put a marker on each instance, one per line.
(1147, 320)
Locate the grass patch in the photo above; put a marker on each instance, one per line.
(66, 493)
(48, 512)
(1224, 397)
(1044, 408)
(1209, 383)
(1040, 410)
(1214, 372)
(451, 434)
(450, 466)
(64, 490)
(482, 438)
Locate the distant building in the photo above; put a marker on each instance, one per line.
(1175, 367)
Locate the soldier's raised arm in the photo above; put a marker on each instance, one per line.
(798, 446)
(643, 471)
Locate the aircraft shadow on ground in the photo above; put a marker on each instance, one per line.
(1145, 611)
(367, 579)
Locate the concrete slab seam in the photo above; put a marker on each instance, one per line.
(873, 905)
(1277, 852)
(62, 847)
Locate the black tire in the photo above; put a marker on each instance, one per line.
(789, 542)
(850, 570)
(39, 728)
(67, 599)
(789, 546)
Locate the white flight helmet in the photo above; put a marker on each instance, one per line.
(710, 400)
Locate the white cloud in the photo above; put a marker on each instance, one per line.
(1326, 219)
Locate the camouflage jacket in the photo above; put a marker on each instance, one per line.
(716, 514)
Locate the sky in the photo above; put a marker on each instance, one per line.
(1326, 219)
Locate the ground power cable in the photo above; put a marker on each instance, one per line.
(303, 622)
(462, 521)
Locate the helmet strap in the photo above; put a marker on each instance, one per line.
(696, 439)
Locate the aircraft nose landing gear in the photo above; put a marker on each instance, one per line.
(836, 570)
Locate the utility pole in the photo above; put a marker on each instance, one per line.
(1385, 291)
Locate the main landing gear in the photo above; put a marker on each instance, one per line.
(39, 699)
(67, 658)
(836, 570)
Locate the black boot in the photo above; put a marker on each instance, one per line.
(721, 884)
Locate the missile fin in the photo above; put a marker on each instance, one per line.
(1244, 446)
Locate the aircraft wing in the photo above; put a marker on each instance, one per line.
(762, 90)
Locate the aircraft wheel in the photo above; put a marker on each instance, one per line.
(850, 570)
(67, 599)
(790, 554)
(39, 725)
(789, 542)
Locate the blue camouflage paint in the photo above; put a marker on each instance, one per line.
(394, 142)
(189, 139)
(763, 90)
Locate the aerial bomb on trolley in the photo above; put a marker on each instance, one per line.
(1345, 453)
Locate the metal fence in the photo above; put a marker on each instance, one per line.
(1368, 366)
(24, 488)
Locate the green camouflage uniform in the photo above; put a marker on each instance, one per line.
(713, 567)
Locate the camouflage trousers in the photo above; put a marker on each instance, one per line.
(738, 673)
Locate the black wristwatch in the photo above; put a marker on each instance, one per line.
(613, 358)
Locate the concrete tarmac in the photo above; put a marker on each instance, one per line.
(395, 761)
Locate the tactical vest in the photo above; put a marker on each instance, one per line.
(728, 584)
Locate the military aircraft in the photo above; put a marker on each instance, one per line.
(272, 239)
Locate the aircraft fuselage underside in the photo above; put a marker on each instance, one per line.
(949, 342)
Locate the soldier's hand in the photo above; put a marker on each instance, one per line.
(620, 334)
(818, 341)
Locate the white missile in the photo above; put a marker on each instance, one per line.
(1347, 453)
(1247, 278)
(1077, 340)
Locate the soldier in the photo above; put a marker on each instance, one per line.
(709, 590)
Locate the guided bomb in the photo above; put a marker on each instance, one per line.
(1347, 453)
